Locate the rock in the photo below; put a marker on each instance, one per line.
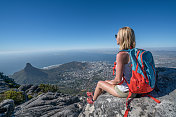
(110, 106)
(7, 108)
(24, 87)
(107, 105)
(32, 89)
(51, 105)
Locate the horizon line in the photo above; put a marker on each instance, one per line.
(74, 49)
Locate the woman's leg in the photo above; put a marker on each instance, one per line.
(103, 85)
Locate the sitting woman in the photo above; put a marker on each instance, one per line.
(126, 40)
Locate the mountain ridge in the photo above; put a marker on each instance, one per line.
(66, 71)
(74, 76)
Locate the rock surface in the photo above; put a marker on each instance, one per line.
(51, 105)
(29, 89)
(110, 106)
(7, 108)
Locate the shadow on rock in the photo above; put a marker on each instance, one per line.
(166, 79)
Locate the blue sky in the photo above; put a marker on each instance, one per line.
(36, 25)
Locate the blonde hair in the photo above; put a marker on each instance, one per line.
(127, 38)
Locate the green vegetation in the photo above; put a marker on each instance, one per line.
(13, 85)
(72, 91)
(48, 88)
(30, 97)
(68, 90)
(2, 97)
(18, 97)
(39, 93)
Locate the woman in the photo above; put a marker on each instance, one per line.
(126, 40)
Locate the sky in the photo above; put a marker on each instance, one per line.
(42, 25)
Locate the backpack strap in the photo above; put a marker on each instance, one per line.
(124, 50)
(114, 67)
(156, 100)
(127, 101)
(121, 82)
(127, 104)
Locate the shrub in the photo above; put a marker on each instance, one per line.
(18, 97)
(30, 97)
(39, 93)
(2, 97)
(48, 88)
(13, 85)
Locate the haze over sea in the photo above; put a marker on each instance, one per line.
(13, 62)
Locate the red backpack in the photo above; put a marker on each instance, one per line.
(143, 78)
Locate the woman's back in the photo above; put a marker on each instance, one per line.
(127, 70)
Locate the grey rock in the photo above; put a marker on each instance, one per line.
(24, 87)
(7, 108)
(33, 89)
(50, 105)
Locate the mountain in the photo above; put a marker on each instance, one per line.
(33, 75)
(30, 75)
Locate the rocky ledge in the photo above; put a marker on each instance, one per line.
(7, 108)
(110, 106)
(51, 105)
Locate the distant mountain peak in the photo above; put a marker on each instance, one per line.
(30, 74)
(28, 67)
